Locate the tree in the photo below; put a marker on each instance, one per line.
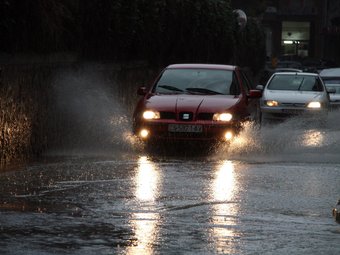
(33, 26)
(159, 31)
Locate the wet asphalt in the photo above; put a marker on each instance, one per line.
(139, 203)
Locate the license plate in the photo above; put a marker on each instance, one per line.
(292, 111)
(178, 128)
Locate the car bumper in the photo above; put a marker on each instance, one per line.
(188, 131)
(335, 105)
(285, 113)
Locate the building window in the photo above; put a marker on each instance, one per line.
(295, 38)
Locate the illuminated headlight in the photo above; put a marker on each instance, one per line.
(228, 135)
(272, 103)
(144, 133)
(314, 105)
(222, 117)
(151, 115)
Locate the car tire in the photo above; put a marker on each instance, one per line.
(337, 217)
(263, 120)
(258, 116)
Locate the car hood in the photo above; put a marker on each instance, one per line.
(291, 96)
(191, 103)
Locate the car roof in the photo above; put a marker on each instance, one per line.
(287, 69)
(296, 73)
(203, 66)
(330, 72)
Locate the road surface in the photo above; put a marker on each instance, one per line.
(269, 192)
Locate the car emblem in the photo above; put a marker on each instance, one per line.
(186, 116)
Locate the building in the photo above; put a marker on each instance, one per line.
(293, 28)
(331, 31)
(298, 29)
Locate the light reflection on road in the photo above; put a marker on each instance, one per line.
(313, 138)
(147, 180)
(172, 206)
(224, 187)
(144, 223)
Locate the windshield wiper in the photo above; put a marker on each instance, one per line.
(204, 91)
(169, 87)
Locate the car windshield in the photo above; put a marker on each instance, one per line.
(332, 72)
(331, 81)
(295, 83)
(333, 85)
(197, 81)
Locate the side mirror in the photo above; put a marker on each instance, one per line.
(255, 93)
(141, 91)
(331, 90)
(260, 87)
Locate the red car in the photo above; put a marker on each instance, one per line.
(195, 102)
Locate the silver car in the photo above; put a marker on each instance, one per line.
(331, 78)
(288, 94)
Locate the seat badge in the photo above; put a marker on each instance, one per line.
(186, 116)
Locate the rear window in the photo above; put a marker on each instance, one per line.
(295, 82)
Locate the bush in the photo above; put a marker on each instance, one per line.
(160, 31)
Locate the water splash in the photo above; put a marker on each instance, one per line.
(90, 113)
(93, 117)
(293, 140)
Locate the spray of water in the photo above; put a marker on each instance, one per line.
(90, 116)
(295, 140)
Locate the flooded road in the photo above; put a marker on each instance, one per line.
(263, 194)
(271, 191)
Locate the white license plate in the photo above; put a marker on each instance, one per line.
(178, 128)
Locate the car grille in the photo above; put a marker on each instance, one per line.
(205, 116)
(186, 116)
(168, 115)
(299, 105)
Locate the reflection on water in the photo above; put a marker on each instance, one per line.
(147, 180)
(224, 182)
(144, 222)
(224, 187)
(313, 138)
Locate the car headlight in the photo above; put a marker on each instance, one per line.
(272, 103)
(314, 105)
(144, 133)
(222, 117)
(151, 115)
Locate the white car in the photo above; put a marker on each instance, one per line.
(288, 94)
(331, 78)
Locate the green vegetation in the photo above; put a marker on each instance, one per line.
(158, 31)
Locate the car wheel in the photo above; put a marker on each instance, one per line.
(263, 120)
(337, 216)
(258, 116)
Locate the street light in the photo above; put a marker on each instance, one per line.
(241, 18)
